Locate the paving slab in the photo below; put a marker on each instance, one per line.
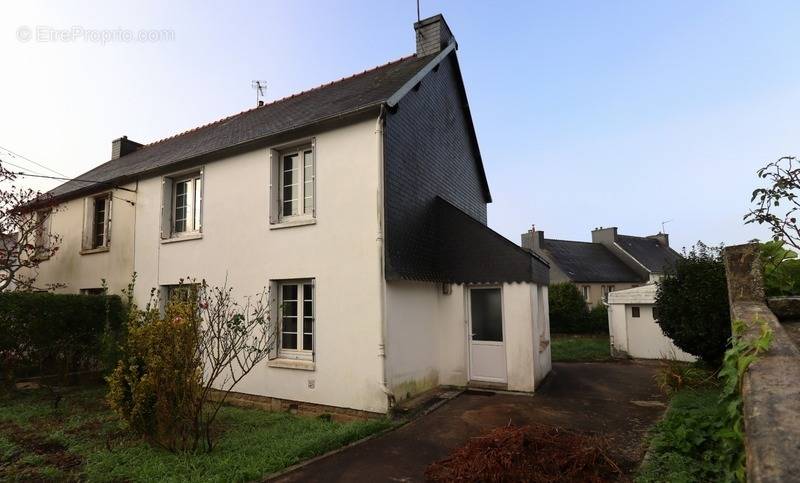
(617, 399)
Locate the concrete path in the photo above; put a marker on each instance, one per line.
(618, 399)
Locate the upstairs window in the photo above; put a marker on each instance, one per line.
(182, 208)
(97, 222)
(293, 184)
(100, 234)
(586, 293)
(635, 312)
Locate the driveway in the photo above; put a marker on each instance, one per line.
(618, 399)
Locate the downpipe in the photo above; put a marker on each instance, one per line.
(383, 381)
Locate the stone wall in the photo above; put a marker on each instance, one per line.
(771, 386)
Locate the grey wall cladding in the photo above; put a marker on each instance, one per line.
(428, 152)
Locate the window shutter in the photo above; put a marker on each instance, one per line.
(166, 208)
(314, 177)
(314, 309)
(274, 313)
(274, 187)
(88, 210)
(109, 203)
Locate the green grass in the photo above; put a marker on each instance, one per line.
(685, 446)
(83, 440)
(580, 347)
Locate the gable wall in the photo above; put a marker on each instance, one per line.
(428, 152)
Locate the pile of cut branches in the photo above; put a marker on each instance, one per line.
(535, 453)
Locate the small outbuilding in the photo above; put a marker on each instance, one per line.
(633, 329)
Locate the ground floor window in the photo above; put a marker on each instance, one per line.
(93, 291)
(296, 304)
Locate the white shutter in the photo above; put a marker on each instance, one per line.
(274, 187)
(166, 208)
(274, 313)
(109, 203)
(314, 178)
(88, 212)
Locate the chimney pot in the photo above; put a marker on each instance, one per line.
(433, 35)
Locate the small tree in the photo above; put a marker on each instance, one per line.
(24, 238)
(568, 312)
(692, 304)
(180, 366)
(777, 203)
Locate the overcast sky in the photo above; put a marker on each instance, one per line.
(587, 113)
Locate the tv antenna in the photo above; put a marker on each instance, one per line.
(664, 223)
(260, 86)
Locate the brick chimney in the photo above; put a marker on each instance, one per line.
(433, 35)
(533, 240)
(122, 146)
(606, 236)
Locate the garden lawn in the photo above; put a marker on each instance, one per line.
(580, 347)
(685, 446)
(83, 440)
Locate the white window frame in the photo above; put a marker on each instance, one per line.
(586, 292)
(302, 181)
(301, 352)
(105, 198)
(195, 206)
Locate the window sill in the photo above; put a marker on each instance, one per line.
(90, 251)
(291, 223)
(193, 236)
(292, 364)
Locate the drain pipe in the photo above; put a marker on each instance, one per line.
(383, 382)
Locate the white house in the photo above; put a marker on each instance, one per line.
(633, 329)
(361, 203)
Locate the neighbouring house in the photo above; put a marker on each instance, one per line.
(608, 263)
(360, 203)
(632, 326)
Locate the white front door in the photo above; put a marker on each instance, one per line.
(487, 350)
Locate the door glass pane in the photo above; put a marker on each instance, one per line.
(487, 316)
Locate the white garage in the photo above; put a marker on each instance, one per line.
(633, 329)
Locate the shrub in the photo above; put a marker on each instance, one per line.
(180, 365)
(598, 319)
(568, 312)
(45, 333)
(158, 382)
(693, 304)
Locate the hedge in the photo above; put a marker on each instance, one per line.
(569, 314)
(46, 333)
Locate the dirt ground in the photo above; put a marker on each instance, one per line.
(616, 399)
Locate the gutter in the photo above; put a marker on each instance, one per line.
(384, 325)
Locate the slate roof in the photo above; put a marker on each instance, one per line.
(467, 251)
(649, 252)
(589, 262)
(346, 96)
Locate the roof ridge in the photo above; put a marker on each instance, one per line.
(573, 241)
(276, 101)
